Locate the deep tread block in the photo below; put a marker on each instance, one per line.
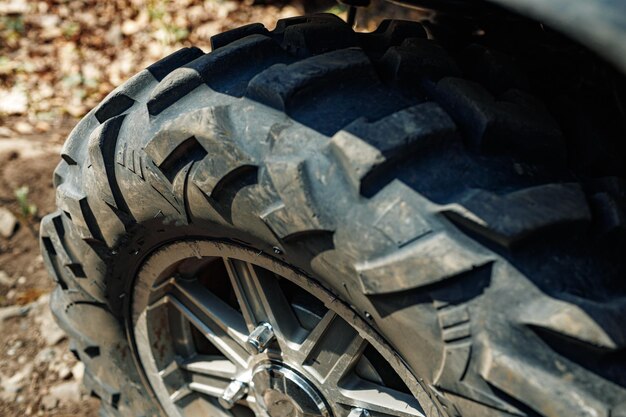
(429, 260)
(537, 381)
(610, 212)
(492, 69)
(208, 126)
(161, 68)
(185, 153)
(277, 85)
(113, 106)
(213, 174)
(320, 18)
(597, 324)
(102, 144)
(50, 256)
(512, 218)
(77, 206)
(75, 142)
(291, 180)
(218, 69)
(494, 125)
(174, 86)
(315, 38)
(401, 132)
(225, 38)
(367, 149)
(414, 59)
(391, 33)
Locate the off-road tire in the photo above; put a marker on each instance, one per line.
(442, 210)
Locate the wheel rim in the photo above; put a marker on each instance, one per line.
(222, 330)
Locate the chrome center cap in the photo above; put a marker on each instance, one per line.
(281, 392)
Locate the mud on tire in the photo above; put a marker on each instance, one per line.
(444, 212)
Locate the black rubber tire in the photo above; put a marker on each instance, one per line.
(443, 214)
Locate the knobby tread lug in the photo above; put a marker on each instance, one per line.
(391, 33)
(492, 69)
(218, 69)
(225, 179)
(320, 18)
(172, 88)
(277, 85)
(511, 218)
(188, 151)
(504, 371)
(596, 324)
(113, 106)
(313, 38)
(102, 145)
(431, 259)
(209, 68)
(208, 126)
(399, 136)
(416, 56)
(161, 68)
(225, 38)
(76, 205)
(291, 180)
(50, 254)
(493, 125)
(76, 139)
(419, 253)
(610, 211)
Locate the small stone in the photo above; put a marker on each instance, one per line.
(48, 328)
(8, 223)
(13, 311)
(5, 132)
(49, 402)
(66, 392)
(45, 355)
(13, 7)
(21, 281)
(13, 102)
(13, 385)
(24, 128)
(6, 280)
(42, 126)
(78, 371)
(64, 372)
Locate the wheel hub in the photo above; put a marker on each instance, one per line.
(221, 329)
(281, 392)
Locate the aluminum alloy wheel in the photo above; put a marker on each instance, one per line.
(222, 330)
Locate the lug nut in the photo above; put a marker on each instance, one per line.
(359, 412)
(234, 392)
(261, 336)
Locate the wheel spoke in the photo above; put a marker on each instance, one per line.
(214, 366)
(332, 348)
(209, 375)
(262, 300)
(213, 387)
(245, 291)
(378, 399)
(211, 308)
(230, 348)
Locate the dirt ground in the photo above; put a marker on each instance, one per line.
(58, 59)
(38, 374)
